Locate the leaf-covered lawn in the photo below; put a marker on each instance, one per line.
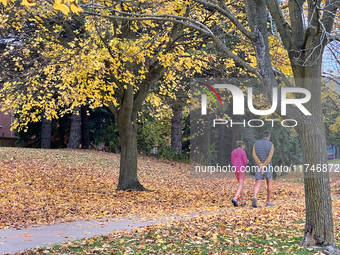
(50, 186)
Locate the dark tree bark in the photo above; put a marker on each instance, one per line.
(319, 230)
(206, 139)
(222, 157)
(75, 132)
(319, 217)
(235, 135)
(128, 179)
(61, 130)
(127, 127)
(46, 133)
(85, 130)
(176, 128)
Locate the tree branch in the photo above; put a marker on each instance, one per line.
(281, 24)
(108, 64)
(115, 80)
(335, 37)
(296, 21)
(329, 13)
(135, 16)
(44, 22)
(284, 78)
(201, 29)
(226, 12)
(112, 108)
(313, 13)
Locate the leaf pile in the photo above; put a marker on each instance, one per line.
(50, 186)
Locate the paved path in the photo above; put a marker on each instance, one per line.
(12, 240)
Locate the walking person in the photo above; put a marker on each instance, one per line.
(263, 151)
(239, 161)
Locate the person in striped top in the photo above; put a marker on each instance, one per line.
(263, 151)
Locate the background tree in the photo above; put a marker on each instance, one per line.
(75, 132)
(85, 129)
(46, 133)
(114, 63)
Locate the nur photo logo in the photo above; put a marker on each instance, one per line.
(238, 103)
(238, 99)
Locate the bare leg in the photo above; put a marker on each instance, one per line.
(257, 187)
(242, 192)
(269, 189)
(240, 188)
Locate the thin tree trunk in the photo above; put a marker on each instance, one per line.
(206, 139)
(46, 133)
(61, 130)
(222, 156)
(176, 128)
(235, 134)
(75, 131)
(85, 130)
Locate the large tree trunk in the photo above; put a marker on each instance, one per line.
(126, 118)
(85, 130)
(75, 131)
(128, 179)
(319, 217)
(176, 128)
(46, 133)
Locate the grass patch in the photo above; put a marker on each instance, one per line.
(334, 161)
(301, 181)
(195, 237)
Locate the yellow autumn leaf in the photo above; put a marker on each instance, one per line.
(27, 3)
(75, 8)
(4, 2)
(59, 6)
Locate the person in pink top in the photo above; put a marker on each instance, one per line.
(239, 161)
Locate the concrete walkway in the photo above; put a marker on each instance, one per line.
(12, 240)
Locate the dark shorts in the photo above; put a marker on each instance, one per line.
(263, 175)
